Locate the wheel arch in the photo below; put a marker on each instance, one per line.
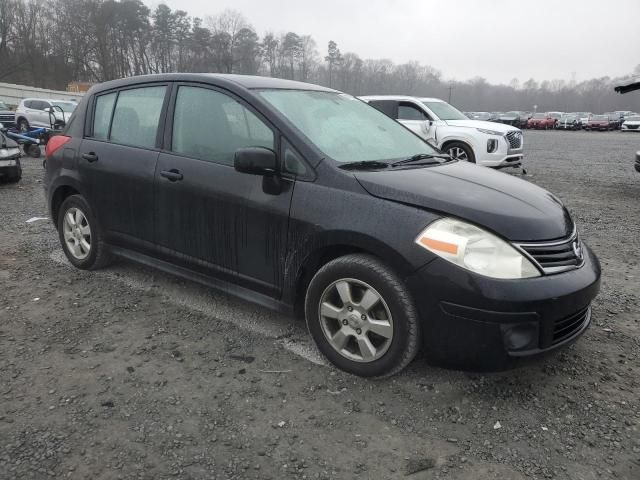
(59, 194)
(328, 247)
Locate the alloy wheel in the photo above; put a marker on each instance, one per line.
(458, 153)
(77, 233)
(356, 320)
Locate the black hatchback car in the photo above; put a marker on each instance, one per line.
(301, 197)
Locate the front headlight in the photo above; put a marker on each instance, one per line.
(489, 132)
(9, 153)
(475, 249)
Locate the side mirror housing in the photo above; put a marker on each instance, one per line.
(255, 161)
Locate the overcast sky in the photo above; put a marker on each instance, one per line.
(494, 39)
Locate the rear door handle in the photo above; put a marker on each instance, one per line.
(90, 157)
(172, 175)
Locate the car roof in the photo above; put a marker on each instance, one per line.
(49, 100)
(220, 79)
(400, 98)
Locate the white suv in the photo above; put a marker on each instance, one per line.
(34, 112)
(485, 143)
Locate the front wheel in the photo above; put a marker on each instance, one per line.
(362, 317)
(80, 235)
(23, 125)
(460, 151)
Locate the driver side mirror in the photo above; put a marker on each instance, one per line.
(255, 161)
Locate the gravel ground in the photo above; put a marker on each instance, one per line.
(130, 373)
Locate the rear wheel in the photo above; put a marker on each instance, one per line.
(460, 151)
(362, 317)
(80, 235)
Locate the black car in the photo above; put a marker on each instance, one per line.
(308, 200)
(569, 122)
(10, 167)
(515, 118)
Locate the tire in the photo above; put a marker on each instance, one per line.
(394, 311)
(97, 255)
(14, 175)
(468, 151)
(23, 124)
(32, 150)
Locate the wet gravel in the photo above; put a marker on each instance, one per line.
(104, 378)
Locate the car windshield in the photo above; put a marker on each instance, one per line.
(3, 106)
(345, 128)
(568, 117)
(444, 111)
(633, 118)
(512, 114)
(539, 115)
(599, 117)
(65, 106)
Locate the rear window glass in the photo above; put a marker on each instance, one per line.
(102, 115)
(136, 116)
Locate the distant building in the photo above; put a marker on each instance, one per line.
(79, 87)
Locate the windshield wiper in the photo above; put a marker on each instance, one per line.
(422, 156)
(364, 165)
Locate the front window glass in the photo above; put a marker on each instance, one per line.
(444, 111)
(634, 118)
(3, 106)
(539, 115)
(211, 126)
(599, 117)
(407, 111)
(345, 128)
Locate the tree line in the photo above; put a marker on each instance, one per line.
(49, 43)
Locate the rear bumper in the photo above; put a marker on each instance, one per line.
(471, 321)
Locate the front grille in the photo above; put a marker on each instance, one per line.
(556, 257)
(632, 127)
(8, 118)
(515, 140)
(566, 327)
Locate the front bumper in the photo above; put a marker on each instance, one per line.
(472, 321)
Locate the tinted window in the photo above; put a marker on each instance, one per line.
(136, 116)
(102, 115)
(210, 125)
(388, 107)
(407, 111)
(40, 105)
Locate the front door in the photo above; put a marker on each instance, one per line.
(208, 216)
(416, 119)
(117, 163)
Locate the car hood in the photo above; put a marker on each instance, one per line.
(496, 127)
(509, 206)
(6, 142)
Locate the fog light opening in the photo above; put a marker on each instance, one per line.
(522, 336)
(492, 145)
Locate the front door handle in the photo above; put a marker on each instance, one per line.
(90, 157)
(172, 175)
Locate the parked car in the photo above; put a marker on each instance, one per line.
(569, 122)
(483, 116)
(615, 119)
(631, 124)
(10, 168)
(601, 123)
(555, 115)
(484, 143)
(541, 121)
(630, 86)
(584, 118)
(7, 117)
(295, 195)
(37, 112)
(515, 119)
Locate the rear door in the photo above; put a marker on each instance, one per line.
(117, 162)
(209, 217)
